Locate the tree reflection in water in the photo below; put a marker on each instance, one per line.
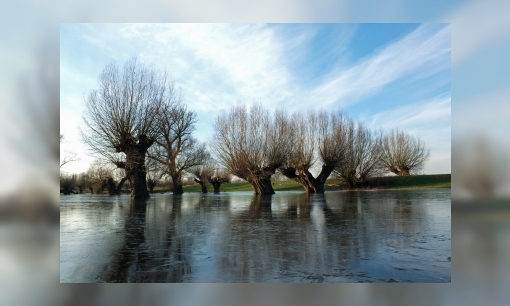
(288, 237)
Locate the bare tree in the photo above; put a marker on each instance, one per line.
(154, 173)
(251, 144)
(319, 134)
(402, 153)
(83, 182)
(362, 156)
(202, 173)
(67, 183)
(210, 172)
(175, 148)
(101, 175)
(217, 178)
(120, 119)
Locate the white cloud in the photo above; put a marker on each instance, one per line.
(427, 48)
(217, 65)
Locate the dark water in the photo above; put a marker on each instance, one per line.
(370, 236)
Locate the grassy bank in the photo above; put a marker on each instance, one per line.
(415, 181)
(389, 182)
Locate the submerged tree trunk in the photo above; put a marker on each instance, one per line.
(177, 184)
(320, 181)
(262, 185)
(306, 179)
(202, 183)
(216, 185)
(177, 189)
(138, 183)
(151, 183)
(259, 179)
(109, 184)
(136, 172)
(352, 184)
(121, 183)
(111, 187)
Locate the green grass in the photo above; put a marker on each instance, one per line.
(416, 181)
(389, 182)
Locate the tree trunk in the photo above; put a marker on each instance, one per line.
(177, 189)
(121, 183)
(403, 172)
(151, 183)
(138, 183)
(136, 172)
(321, 179)
(394, 170)
(260, 179)
(111, 187)
(352, 184)
(291, 173)
(100, 187)
(216, 186)
(176, 184)
(262, 185)
(202, 184)
(306, 179)
(91, 189)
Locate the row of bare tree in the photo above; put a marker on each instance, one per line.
(136, 120)
(253, 144)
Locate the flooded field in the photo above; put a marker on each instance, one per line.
(290, 237)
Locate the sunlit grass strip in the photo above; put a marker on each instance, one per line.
(390, 182)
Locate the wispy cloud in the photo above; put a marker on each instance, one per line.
(427, 48)
(414, 115)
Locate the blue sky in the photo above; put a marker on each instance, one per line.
(386, 75)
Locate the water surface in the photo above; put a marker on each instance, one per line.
(339, 236)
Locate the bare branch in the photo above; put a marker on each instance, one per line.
(69, 157)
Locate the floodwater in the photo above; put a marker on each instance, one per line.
(290, 237)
